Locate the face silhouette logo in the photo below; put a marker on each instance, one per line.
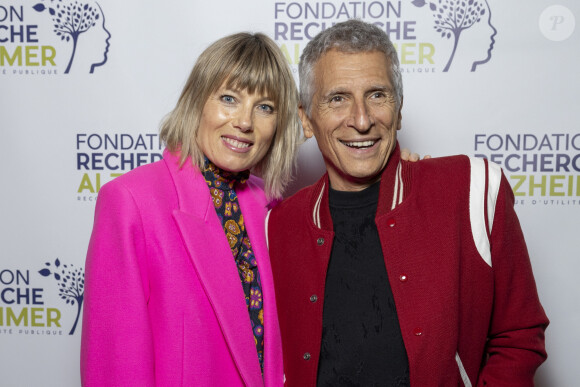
(452, 19)
(71, 285)
(82, 26)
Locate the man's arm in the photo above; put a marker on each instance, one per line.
(515, 347)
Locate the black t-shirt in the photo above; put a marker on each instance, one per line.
(361, 338)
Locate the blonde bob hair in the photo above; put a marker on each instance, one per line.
(246, 61)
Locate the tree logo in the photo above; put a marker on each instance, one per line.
(71, 19)
(453, 17)
(71, 285)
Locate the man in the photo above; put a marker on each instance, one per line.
(390, 273)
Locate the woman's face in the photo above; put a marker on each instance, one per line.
(236, 128)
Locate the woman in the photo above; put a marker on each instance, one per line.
(178, 284)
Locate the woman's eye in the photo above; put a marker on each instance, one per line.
(266, 108)
(228, 99)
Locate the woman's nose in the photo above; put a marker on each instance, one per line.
(244, 119)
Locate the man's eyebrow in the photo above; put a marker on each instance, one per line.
(371, 89)
(385, 88)
(338, 90)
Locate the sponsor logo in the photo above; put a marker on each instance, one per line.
(52, 37)
(100, 157)
(26, 305)
(71, 285)
(430, 36)
(543, 169)
(454, 18)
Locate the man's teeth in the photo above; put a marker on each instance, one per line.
(236, 143)
(359, 144)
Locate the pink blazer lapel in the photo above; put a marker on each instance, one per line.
(212, 259)
(253, 207)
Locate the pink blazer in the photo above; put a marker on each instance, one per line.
(164, 304)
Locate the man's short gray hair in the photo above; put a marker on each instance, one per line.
(351, 36)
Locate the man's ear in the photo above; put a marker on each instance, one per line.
(400, 115)
(306, 125)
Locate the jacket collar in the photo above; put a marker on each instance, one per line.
(394, 188)
(213, 262)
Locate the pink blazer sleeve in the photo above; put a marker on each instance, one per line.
(116, 344)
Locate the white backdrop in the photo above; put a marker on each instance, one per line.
(66, 130)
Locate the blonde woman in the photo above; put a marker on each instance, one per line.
(179, 287)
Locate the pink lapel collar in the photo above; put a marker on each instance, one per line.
(212, 259)
(254, 207)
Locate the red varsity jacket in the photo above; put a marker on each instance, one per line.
(458, 267)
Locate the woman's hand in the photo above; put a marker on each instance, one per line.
(408, 156)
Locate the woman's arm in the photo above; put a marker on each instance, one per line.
(116, 344)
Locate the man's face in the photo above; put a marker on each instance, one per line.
(354, 117)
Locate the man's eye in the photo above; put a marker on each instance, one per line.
(378, 94)
(337, 98)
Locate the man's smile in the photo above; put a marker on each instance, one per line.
(359, 144)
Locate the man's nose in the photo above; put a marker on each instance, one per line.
(360, 117)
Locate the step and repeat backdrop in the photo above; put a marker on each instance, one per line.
(85, 84)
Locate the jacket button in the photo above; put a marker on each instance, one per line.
(320, 241)
(403, 278)
(306, 356)
(313, 298)
(417, 331)
(391, 222)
